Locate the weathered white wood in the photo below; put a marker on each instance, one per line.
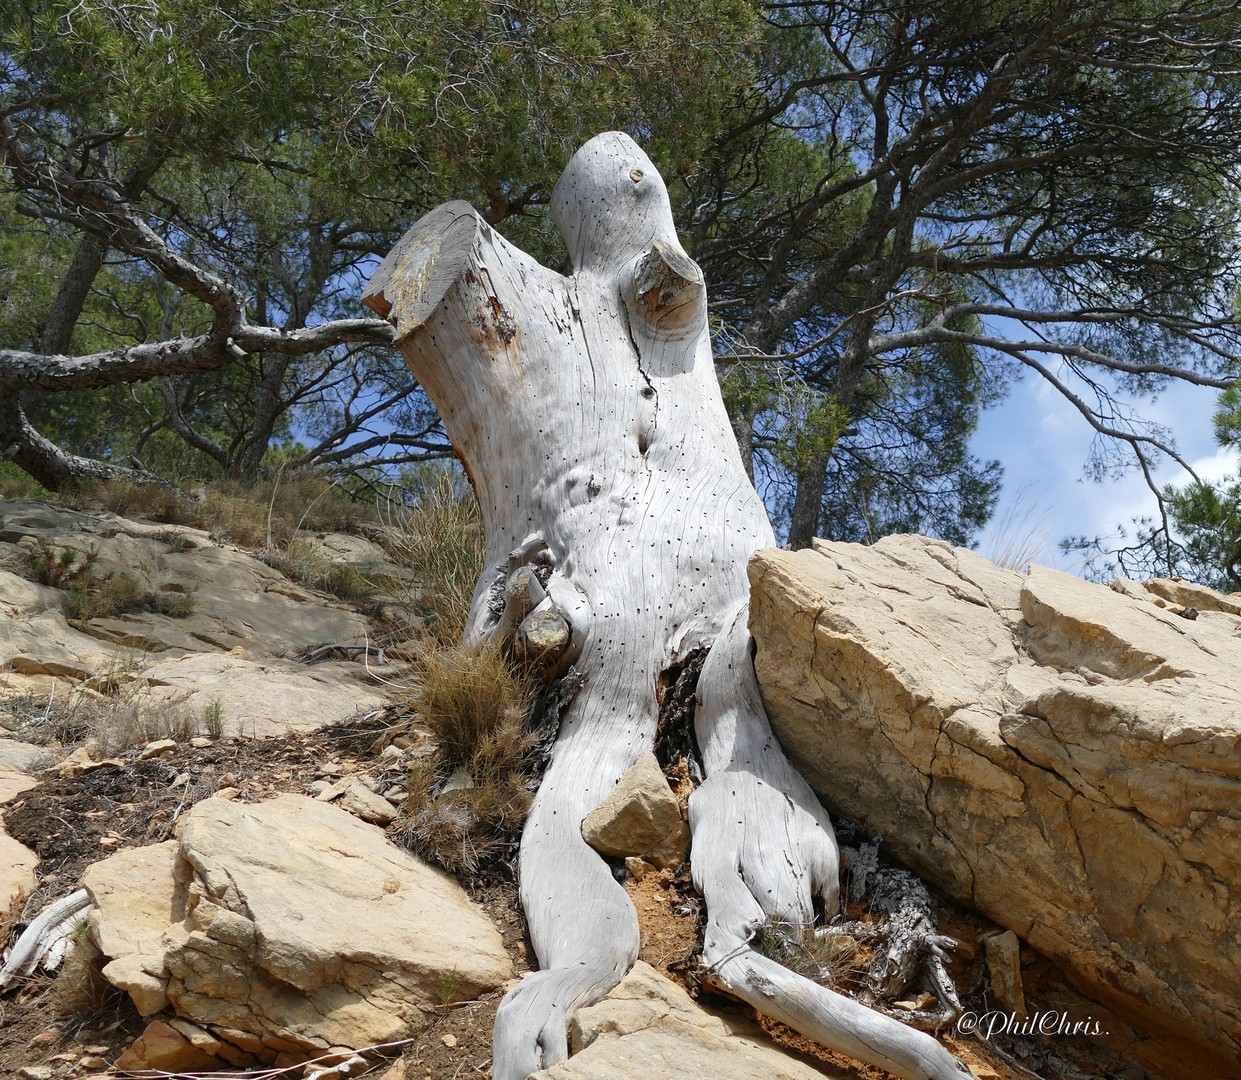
(56, 923)
(763, 849)
(587, 414)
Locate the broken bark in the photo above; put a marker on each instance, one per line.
(588, 416)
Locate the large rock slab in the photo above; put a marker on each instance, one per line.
(649, 1027)
(17, 870)
(240, 606)
(288, 927)
(238, 601)
(262, 697)
(1062, 756)
(17, 862)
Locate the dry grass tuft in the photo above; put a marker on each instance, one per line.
(91, 596)
(158, 502)
(110, 718)
(306, 563)
(829, 959)
(264, 514)
(80, 989)
(468, 799)
(441, 539)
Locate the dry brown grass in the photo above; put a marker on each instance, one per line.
(441, 539)
(90, 596)
(306, 563)
(831, 959)
(467, 800)
(263, 514)
(80, 989)
(110, 717)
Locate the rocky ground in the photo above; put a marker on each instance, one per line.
(205, 722)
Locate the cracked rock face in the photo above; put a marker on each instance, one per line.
(1065, 757)
(288, 926)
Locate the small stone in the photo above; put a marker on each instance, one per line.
(449, 1040)
(46, 1038)
(391, 753)
(228, 780)
(157, 749)
(97, 1048)
(922, 1001)
(318, 787)
(1004, 964)
(92, 1061)
(364, 803)
(637, 867)
(36, 1072)
(396, 795)
(201, 742)
(331, 768)
(641, 817)
(109, 841)
(229, 793)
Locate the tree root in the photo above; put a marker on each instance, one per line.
(764, 849)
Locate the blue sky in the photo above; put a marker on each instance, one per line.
(1044, 443)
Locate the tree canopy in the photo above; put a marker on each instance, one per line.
(900, 206)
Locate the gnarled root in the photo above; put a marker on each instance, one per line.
(764, 849)
(536, 617)
(582, 924)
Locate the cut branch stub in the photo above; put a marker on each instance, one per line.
(666, 291)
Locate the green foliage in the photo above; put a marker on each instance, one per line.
(880, 193)
(1207, 517)
(280, 146)
(16, 484)
(1203, 543)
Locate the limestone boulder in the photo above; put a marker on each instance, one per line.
(17, 862)
(288, 927)
(641, 818)
(1062, 756)
(238, 601)
(649, 1027)
(17, 870)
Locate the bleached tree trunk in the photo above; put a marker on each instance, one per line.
(588, 416)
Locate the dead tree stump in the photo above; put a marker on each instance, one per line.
(588, 417)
